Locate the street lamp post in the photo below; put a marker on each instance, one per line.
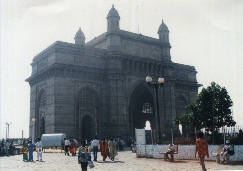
(7, 125)
(156, 86)
(6, 130)
(33, 131)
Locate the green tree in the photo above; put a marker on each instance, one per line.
(211, 110)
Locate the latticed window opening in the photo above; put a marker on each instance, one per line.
(147, 108)
(87, 97)
(43, 99)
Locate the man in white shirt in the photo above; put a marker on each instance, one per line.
(95, 146)
(67, 146)
(39, 147)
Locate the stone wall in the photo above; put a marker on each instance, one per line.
(185, 152)
(141, 49)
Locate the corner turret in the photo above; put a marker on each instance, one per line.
(164, 33)
(164, 38)
(79, 37)
(113, 20)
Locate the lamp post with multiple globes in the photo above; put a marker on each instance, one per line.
(156, 85)
(7, 128)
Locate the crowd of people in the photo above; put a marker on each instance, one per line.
(28, 149)
(70, 146)
(108, 148)
(7, 148)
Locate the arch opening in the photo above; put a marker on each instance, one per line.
(141, 109)
(40, 113)
(86, 128)
(181, 104)
(87, 114)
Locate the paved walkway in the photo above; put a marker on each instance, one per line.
(125, 161)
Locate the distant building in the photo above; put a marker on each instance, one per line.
(99, 87)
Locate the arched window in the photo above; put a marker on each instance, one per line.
(147, 108)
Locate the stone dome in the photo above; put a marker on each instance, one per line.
(163, 27)
(113, 12)
(79, 34)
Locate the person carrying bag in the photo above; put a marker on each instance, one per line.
(84, 156)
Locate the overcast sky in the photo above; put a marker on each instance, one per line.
(205, 34)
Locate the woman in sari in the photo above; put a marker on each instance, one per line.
(73, 148)
(25, 151)
(105, 149)
(113, 151)
(202, 149)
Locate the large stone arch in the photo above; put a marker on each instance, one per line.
(181, 103)
(87, 110)
(41, 102)
(141, 108)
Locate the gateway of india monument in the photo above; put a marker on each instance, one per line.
(99, 87)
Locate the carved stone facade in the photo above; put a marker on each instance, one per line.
(99, 87)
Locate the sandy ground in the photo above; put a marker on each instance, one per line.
(125, 161)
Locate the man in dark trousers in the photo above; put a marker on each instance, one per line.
(95, 146)
(67, 146)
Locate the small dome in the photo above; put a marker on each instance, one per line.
(79, 34)
(163, 27)
(113, 12)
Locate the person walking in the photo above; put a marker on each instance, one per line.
(112, 147)
(73, 146)
(84, 156)
(25, 151)
(67, 146)
(105, 148)
(39, 147)
(31, 150)
(7, 144)
(95, 146)
(202, 149)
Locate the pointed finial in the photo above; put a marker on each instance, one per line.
(113, 6)
(162, 21)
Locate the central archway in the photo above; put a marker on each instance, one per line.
(41, 106)
(141, 109)
(87, 114)
(87, 132)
